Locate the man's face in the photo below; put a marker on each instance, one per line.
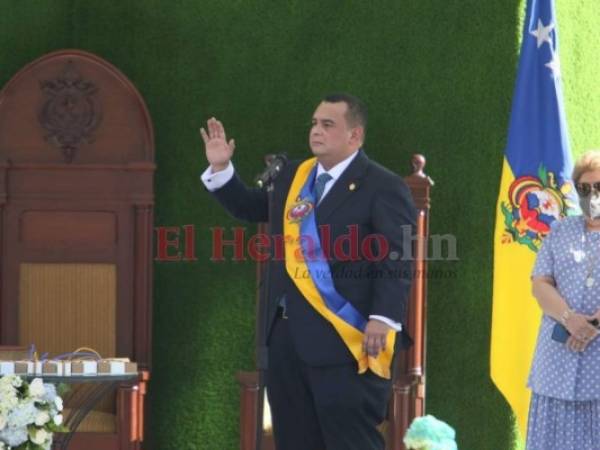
(331, 137)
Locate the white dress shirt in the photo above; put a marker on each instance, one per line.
(214, 181)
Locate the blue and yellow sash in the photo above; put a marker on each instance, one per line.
(304, 256)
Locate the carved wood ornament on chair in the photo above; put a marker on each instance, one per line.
(70, 113)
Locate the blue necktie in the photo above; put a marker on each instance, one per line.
(320, 185)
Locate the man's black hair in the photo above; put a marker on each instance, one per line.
(357, 111)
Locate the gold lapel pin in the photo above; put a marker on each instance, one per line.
(352, 186)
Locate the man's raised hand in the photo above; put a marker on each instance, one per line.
(218, 150)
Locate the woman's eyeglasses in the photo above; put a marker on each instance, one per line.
(585, 189)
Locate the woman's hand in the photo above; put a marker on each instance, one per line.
(582, 332)
(595, 316)
(575, 345)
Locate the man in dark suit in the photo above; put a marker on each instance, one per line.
(318, 398)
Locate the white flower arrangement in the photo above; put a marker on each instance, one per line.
(29, 414)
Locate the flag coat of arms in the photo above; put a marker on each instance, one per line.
(535, 190)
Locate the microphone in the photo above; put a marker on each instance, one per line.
(275, 164)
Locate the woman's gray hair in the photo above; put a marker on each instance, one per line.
(587, 162)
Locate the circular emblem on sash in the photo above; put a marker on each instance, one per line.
(299, 210)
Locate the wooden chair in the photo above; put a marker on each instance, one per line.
(76, 203)
(408, 395)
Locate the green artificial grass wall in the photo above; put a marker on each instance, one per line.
(438, 77)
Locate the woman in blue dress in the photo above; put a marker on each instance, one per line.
(564, 412)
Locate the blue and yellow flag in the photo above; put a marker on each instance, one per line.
(535, 190)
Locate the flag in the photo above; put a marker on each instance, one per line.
(535, 190)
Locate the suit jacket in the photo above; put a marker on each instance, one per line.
(379, 202)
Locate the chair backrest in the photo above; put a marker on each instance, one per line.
(408, 398)
(76, 196)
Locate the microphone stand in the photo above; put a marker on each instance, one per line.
(262, 354)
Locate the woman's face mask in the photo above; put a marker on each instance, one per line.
(589, 199)
(590, 205)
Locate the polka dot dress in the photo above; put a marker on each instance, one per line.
(562, 424)
(565, 406)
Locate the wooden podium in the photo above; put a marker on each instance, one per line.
(76, 221)
(408, 395)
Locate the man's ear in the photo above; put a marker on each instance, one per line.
(357, 134)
